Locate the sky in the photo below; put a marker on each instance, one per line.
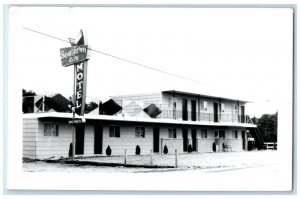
(242, 53)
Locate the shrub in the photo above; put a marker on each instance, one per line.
(70, 150)
(165, 149)
(250, 145)
(108, 151)
(190, 148)
(137, 150)
(214, 147)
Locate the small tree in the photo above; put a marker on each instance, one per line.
(165, 149)
(190, 148)
(137, 150)
(28, 101)
(108, 151)
(70, 150)
(214, 147)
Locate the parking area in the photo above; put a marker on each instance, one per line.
(206, 162)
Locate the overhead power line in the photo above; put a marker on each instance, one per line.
(122, 59)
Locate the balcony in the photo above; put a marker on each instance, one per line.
(204, 116)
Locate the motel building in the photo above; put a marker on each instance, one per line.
(169, 118)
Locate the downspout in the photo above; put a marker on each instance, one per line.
(198, 107)
(238, 108)
(174, 106)
(43, 103)
(220, 109)
(161, 145)
(35, 139)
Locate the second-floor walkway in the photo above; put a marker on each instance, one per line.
(204, 116)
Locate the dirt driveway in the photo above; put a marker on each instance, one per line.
(206, 162)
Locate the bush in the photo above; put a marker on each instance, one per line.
(137, 150)
(190, 148)
(108, 151)
(165, 149)
(250, 145)
(70, 150)
(214, 147)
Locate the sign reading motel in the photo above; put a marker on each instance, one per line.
(80, 88)
(74, 54)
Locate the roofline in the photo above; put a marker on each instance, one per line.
(201, 95)
(135, 94)
(135, 119)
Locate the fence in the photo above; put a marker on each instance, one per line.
(169, 160)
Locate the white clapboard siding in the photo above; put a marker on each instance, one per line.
(37, 145)
(128, 141)
(54, 145)
(89, 140)
(30, 129)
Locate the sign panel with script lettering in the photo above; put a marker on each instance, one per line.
(74, 54)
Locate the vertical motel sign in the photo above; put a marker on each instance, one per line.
(78, 55)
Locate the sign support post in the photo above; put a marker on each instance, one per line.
(73, 112)
(78, 55)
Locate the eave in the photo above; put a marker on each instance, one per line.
(94, 118)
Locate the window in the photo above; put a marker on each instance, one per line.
(170, 102)
(222, 134)
(51, 129)
(203, 133)
(216, 134)
(222, 107)
(234, 107)
(235, 134)
(203, 105)
(172, 133)
(114, 131)
(139, 132)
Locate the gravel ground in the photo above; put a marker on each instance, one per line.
(205, 162)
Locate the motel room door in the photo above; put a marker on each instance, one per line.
(185, 139)
(98, 139)
(194, 139)
(156, 140)
(184, 109)
(79, 144)
(217, 139)
(242, 114)
(244, 139)
(193, 111)
(215, 112)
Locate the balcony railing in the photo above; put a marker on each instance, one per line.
(204, 116)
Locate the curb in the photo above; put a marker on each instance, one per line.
(114, 164)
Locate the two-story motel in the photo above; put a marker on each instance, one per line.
(168, 118)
